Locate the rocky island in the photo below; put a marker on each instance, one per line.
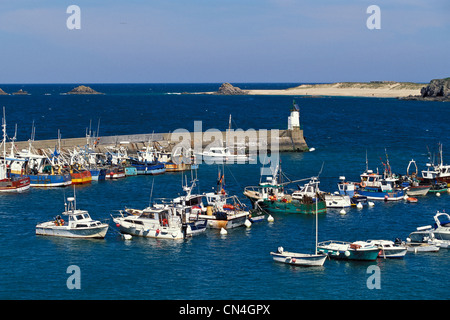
(228, 89)
(2, 92)
(436, 90)
(21, 92)
(83, 90)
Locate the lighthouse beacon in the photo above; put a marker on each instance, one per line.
(294, 118)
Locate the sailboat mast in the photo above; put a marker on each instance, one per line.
(4, 135)
(317, 225)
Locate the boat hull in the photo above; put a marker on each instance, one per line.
(337, 201)
(421, 247)
(153, 230)
(82, 177)
(379, 195)
(98, 174)
(394, 253)
(340, 251)
(299, 259)
(418, 190)
(130, 171)
(15, 185)
(216, 221)
(50, 229)
(151, 169)
(50, 180)
(295, 206)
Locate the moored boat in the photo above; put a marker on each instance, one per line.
(389, 249)
(79, 224)
(161, 222)
(8, 182)
(358, 250)
(421, 240)
(375, 187)
(299, 259)
(115, 172)
(80, 176)
(439, 172)
(270, 196)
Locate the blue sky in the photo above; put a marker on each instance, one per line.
(153, 41)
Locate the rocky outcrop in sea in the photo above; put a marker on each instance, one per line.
(2, 92)
(436, 90)
(83, 90)
(228, 89)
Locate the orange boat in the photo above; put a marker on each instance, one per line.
(81, 176)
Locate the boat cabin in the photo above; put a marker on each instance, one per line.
(310, 189)
(346, 188)
(80, 219)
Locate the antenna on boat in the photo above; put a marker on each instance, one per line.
(151, 194)
(367, 162)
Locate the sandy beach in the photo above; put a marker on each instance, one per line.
(356, 89)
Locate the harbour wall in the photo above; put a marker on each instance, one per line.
(271, 140)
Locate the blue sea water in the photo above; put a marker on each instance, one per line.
(211, 266)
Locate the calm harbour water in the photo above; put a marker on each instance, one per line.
(212, 266)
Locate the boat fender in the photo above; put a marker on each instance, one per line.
(157, 231)
(347, 253)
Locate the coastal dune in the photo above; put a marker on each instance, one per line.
(382, 89)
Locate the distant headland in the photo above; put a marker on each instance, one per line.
(83, 90)
(436, 90)
(385, 89)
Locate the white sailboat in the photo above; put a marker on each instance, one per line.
(301, 259)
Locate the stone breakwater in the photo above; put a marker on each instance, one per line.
(270, 140)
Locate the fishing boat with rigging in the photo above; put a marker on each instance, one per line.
(8, 182)
(439, 172)
(224, 211)
(270, 196)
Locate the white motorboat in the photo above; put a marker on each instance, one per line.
(336, 200)
(389, 249)
(222, 155)
(160, 221)
(421, 240)
(441, 229)
(79, 224)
